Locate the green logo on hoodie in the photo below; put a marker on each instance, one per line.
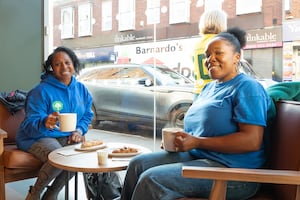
(57, 106)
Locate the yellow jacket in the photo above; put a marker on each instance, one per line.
(200, 70)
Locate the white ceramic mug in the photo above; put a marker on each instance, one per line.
(67, 122)
(168, 137)
(102, 157)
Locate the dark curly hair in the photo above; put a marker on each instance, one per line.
(47, 64)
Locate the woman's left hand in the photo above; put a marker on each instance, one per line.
(75, 137)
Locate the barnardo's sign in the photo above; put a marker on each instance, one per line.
(264, 38)
(175, 54)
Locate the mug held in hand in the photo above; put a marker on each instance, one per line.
(168, 137)
(67, 122)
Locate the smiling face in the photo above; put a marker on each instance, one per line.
(63, 68)
(221, 60)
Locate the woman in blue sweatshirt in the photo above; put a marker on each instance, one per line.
(58, 92)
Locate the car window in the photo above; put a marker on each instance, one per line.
(98, 74)
(168, 76)
(115, 75)
(132, 72)
(132, 75)
(108, 73)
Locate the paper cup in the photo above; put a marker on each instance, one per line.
(102, 157)
(67, 122)
(168, 137)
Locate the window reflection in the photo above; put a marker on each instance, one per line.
(164, 32)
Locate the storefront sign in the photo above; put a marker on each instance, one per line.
(176, 54)
(264, 38)
(101, 54)
(133, 36)
(291, 30)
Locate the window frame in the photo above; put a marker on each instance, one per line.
(126, 15)
(106, 15)
(213, 5)
(287, 5)
(182, 7)
(153, 12)
(85, 16)
(254, 6)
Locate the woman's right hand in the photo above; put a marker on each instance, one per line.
(184, 141)
(51, 120)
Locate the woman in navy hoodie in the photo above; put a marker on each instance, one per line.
(58, 92)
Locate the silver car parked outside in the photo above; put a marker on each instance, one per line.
(130, 92)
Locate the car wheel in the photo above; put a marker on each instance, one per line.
(177, 116)
(95, 121)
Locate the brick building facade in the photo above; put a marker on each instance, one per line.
(264, 29)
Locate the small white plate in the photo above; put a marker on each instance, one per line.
(92, 148)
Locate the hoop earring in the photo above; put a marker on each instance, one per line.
(238, 66)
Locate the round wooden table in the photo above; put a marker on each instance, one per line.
(69, 158)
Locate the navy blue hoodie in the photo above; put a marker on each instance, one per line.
(47, 97)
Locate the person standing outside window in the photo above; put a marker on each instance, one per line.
(211, 23)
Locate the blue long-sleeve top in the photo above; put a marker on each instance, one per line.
(48, 96)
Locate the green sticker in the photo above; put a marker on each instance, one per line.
(57, 106)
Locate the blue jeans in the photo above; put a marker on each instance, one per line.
(47, 172)
(158, 176)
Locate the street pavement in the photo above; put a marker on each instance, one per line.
(18, 190)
